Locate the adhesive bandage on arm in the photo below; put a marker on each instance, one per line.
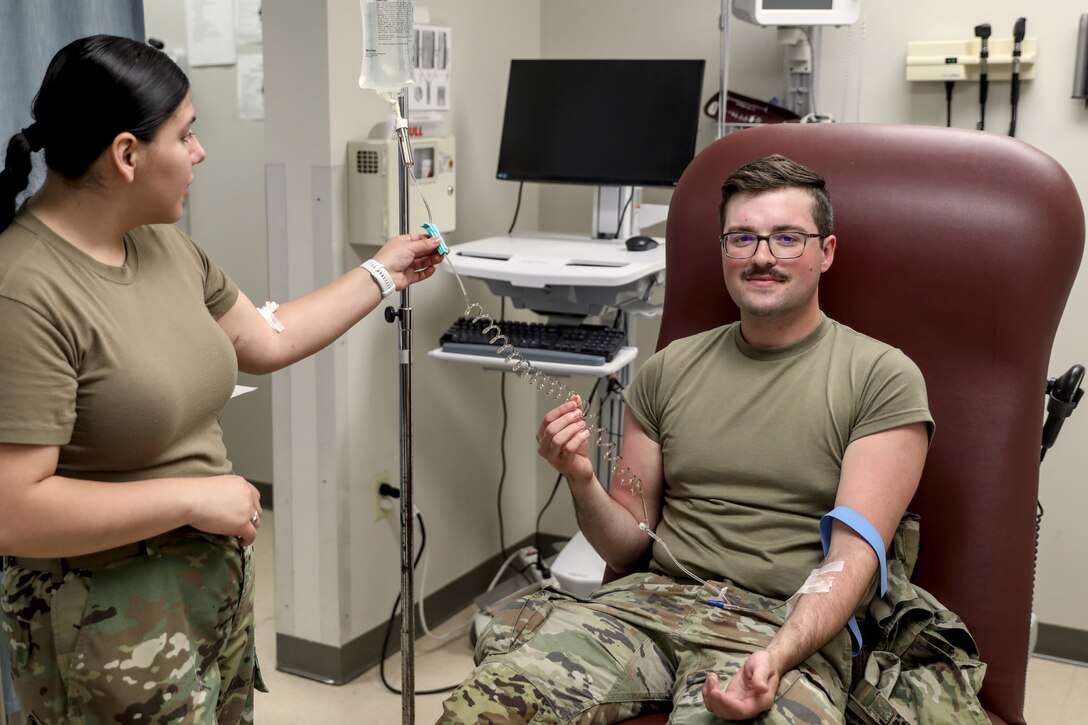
(268, 312)
(819, 581)
(872, 537)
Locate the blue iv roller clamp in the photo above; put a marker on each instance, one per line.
(433, 232)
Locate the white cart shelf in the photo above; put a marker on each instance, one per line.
(620, 360)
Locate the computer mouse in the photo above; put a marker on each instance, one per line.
(641, 243)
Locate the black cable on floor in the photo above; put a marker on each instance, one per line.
(393, 617)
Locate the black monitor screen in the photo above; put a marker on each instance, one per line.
(606, 122)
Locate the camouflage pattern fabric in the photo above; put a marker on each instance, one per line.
(640, 644)
(920, 665)
(161, 638)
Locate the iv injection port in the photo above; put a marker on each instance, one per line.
(385, 495)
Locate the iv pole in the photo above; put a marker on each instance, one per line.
(404, 318)
(386, 46)
(407, 506)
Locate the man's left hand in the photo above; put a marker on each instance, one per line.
(750, 692)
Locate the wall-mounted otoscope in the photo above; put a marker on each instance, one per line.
(983, 31)
(1064, 393)
(1080, 70)
(1017, 39)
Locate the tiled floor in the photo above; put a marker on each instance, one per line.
(1057, 692)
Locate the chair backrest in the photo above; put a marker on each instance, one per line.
(960, 248)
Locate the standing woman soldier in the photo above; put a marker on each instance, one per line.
(128, 593)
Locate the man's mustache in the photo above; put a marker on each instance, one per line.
(764, 271)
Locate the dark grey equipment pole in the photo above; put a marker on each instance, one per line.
(404, 318)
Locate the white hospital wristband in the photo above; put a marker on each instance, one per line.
(381, 277)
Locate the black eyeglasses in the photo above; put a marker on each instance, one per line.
(783, 245)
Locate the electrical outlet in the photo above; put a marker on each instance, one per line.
(383, 505)
(527, 556)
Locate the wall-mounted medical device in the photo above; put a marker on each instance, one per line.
(798, 12)
(1080, 69)
(959, 60)
(373, 190)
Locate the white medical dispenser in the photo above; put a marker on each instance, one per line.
(373, 191)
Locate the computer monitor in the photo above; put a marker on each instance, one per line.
(601, 122)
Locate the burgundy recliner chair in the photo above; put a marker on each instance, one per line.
(960, 248)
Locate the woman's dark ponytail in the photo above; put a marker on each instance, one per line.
(15, 176)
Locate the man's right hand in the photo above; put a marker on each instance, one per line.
(563, 441)
(750, 692)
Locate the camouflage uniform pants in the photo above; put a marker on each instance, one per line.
(639, 644)
(161, 638)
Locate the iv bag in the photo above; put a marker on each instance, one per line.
(387, 45)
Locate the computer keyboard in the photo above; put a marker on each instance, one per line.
(538, 342)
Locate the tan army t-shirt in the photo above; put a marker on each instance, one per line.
(124, 368)
(753, 440)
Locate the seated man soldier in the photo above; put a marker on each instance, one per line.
(738, 442)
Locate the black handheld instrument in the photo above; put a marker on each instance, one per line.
(983, 31)
(1063, 395)
(1017, 39)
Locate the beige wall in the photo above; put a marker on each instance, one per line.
(457, 409)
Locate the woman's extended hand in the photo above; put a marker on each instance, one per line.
(409, 258)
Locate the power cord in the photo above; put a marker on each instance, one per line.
(502, 445)
(536, 534)
(393, 616)
(502, 397)
(623, 213)
(517, 208)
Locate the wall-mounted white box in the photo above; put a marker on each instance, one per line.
(374, 188)
(958, 60)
